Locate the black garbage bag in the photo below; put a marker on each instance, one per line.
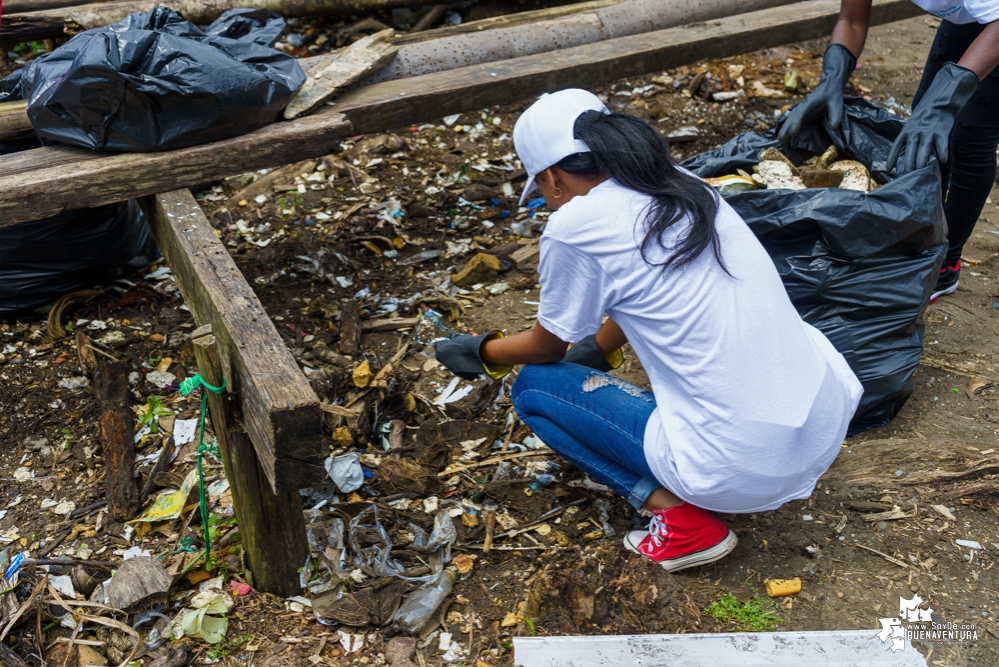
(154, 81)
(860, 267)
(42, 260)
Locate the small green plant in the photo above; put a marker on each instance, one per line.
(150, 413)
(67, 439)
(530, 624)
(226, 646)
(756, 615)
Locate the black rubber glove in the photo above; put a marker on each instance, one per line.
(461, 356)
(587, 353)
(928, 128)
(827, 98)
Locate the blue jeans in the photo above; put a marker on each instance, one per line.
(591, 419)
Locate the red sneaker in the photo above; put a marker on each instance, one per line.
(682, 536)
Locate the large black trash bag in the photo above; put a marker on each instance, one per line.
(154, 81)
(42, 260)
(859, 267)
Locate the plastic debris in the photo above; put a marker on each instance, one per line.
(346, 472)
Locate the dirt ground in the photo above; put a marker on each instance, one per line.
(309, 244)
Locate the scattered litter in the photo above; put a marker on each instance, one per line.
(781, 587)
(346, 472)
(969, 544)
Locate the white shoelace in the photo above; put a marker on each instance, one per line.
(658, 530)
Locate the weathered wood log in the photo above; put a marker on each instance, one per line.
(45, 181)
(550, 30)
(14, 123)
(111, 389)
(429, 97)
(138, 583)
(350, 328)
(330, 74)
(285, 174)
(31, 189)
(71, 20)
(280, 410)
(271, 525)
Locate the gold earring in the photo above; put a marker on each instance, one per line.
(556, 196)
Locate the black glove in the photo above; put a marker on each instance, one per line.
(929, 126)
(587, 353)
(461, 356)
(827, 98)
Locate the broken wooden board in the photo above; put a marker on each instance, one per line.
(42, 182)
(45, 181)
(330, 74)
(832, 648)
(280, 410)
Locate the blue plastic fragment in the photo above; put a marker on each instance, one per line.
(537, 202)
(504, 214)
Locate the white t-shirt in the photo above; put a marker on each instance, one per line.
(968, 11)
(752, 403)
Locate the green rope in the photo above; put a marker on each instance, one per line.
(186, 387)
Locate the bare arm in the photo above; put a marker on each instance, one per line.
(537, 346)
(610, 337)
(851, 28)
(983, 54)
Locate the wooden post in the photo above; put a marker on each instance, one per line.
(279, 409)
(350, 328)
(111, 388)
(271, 525)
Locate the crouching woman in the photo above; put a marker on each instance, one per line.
(749, 404)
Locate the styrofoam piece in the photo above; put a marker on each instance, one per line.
(834, 648)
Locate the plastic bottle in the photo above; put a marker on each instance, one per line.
(544, 479)
(416, 611)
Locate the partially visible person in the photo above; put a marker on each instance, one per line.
(955, 111)
(749, 404)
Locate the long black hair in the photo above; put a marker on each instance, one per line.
(630, 151)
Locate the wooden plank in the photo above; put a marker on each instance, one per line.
(271, 525)
(42, 182)
(280, 409)
(402, 102)
(330, 74)
(32, 187)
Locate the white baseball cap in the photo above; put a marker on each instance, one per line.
(543, 134)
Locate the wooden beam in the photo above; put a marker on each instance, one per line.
(402, 102)
(71, 20)
(45, 181)
(39, 183)
(280, 410)
(271, 525)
